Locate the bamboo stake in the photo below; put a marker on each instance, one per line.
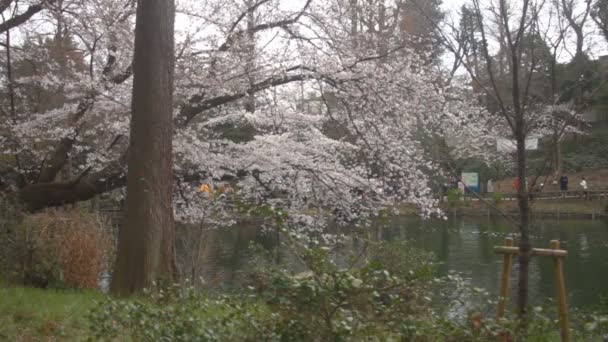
(504, 279)
(534, 251)
(560, 288)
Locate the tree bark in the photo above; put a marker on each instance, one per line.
(249, 46)
(23, 17)
(146, 239)
(520, 133)
(557, 151)
(354, 19)
(524, 229)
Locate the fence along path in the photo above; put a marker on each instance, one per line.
(556, 195)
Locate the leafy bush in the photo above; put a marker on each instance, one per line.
(590, 152)
(454, 196)
(10, 216)
(181, 313)
(497, 198)
(328, 302)
(385, 292)
(58, 248)
(369, 301)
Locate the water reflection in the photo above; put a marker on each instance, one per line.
(463, 245)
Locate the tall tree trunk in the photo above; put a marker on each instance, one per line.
(250, 55)
(557, 155)
(354, 22)
(382, 39)
(524, 212)
(520, 134)
(146, 239)
(553, 70)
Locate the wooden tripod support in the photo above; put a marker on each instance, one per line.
(558, 254)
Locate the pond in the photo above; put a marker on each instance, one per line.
(461, 245)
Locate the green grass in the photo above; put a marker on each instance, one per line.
(29, 314)
(563, 206)
(571, 206)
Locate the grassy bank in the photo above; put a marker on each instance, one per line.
(369, 305)
(30, 314)
(553, 208)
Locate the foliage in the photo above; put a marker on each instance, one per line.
(180, 313)
(454, 197)
(58, 248)
(389, 295)
(378, 89)
(588, 152)
(326, 303)
(497, 198)
(369, 301)
(542, 326)
(10, 216)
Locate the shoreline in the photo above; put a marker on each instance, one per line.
(555, 208)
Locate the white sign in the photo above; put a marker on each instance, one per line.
(508, 145)
(471, 180)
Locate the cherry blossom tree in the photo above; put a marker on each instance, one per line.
(241, 72)
(509, 51)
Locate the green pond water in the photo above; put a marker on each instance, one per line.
(461, 245)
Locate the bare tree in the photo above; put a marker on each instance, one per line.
(577, 23)
(600, 16)
(505, 26)
(553, 36)
(146, 239)
(21, 17)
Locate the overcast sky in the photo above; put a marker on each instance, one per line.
(449, 5)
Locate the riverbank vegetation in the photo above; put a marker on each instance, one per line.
(315, 115)
(390, 294)
(56, 248)
(594, 208)
(359, 289)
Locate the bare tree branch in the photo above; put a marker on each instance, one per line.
(233, 36)
(23, 17)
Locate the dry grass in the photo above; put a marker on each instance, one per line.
(74, 242)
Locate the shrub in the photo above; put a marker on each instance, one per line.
(454, 197)
(181, 313)
(58, 248)
(369, 301)
(390, 295)
(497, 198)
(10, 216)
(373, 300)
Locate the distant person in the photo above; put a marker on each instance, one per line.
(516, 184)
(205, 188)
(490, 186)
(583, 184)
(563, 184)
(445, 187)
